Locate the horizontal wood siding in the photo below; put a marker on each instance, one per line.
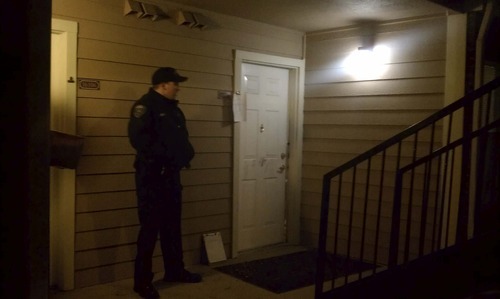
(344, 117)
(122, 52)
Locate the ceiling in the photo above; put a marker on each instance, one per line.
(317, 15)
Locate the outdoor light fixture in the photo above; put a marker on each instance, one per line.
(368, 62)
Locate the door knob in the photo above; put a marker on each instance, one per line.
(282, 168)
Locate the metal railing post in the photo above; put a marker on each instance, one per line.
(320, 266)
(463, 204)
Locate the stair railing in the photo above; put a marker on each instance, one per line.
(401, 193)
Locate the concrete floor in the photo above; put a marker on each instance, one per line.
(215, 284)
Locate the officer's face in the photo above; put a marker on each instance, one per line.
(170, 89)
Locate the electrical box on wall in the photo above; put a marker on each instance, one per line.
(200, 21)
(191, 19)
(132, 7)
(184, 18)
(143, 10)
(150, 11)
(153, 12)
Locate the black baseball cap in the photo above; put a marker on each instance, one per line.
(166, 74)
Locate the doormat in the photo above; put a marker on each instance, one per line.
(289, 272)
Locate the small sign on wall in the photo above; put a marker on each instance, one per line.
(89, 84)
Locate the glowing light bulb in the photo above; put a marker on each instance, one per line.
(368, 64)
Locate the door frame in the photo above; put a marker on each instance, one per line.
(293, 189)
(62, 219)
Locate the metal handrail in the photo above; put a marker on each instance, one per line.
(419, 162)
(469, 98)
(449, 146)
(366, 157)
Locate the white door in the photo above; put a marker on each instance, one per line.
(263, 156)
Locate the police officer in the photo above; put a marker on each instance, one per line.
(157, 130)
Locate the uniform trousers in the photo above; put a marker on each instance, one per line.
(159, 197)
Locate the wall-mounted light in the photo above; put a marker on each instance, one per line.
(368, 62)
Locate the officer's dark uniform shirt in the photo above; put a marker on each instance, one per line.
(157, 130)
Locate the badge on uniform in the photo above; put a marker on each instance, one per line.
(139, 111)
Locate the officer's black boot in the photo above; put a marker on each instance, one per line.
(182, 276)
(147, 291)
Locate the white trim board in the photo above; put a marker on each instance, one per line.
(63, 188)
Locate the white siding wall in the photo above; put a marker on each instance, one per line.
(344, 117)
(122, 52)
